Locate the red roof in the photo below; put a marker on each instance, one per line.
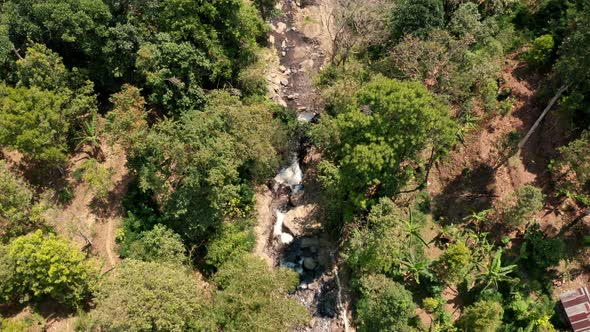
(577, 307)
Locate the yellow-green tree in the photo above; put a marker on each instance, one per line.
(41, 266)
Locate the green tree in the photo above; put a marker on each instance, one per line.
(384, 305)
(174, 73)
(159, 245)
(417, 17)
(454, 264)
(35, 122)
(200, 168)
(538, 251)
(19, 214)
(39, 266)
(529, 201)
(484, 316)
(383, 244)
(68, 25)
(126, 122)
(378, 144)
(541, 49)
(234, 239)
(252, 297)
(149, 296)
(42, 68)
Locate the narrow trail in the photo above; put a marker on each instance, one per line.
(288, 232)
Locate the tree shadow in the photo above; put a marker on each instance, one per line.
(472, 190)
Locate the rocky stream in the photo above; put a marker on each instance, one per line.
(293, 242)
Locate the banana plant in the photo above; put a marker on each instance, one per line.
(494, 273)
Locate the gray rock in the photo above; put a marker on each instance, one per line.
(307, 242)
(309, 263)
(285, 82)
(313, 285)
(297, 197)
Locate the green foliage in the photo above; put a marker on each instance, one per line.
(484, 316)
(377, 247)
(35, 122)
(252, 297)
(454, 264)
(384, 305)
(174, 86)
(416, 17)
(37, 266)
(574, 163)
(96, 176)
(466, 19)
(529, 201)
(541, 49)
(530, 312)
(42, 68)
(126, 122)
(18, 212)
(159, 245)
(539, 252)
(148, 296)
(200, 168)
(70, 25)
(377, 156)
(234, 239)
(573, 67)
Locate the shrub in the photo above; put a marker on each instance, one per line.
(38, 266)
(231, 241)
(18, 213)
(158, 245)
(483, 316)
(455, 263)
(529, 201)
(148, 296)
(539, 252)
(541, 49)
(384, 305)
(252, 297)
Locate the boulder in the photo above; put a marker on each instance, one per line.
(309, 263)
(307, 242)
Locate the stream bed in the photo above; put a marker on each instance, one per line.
(293, 243)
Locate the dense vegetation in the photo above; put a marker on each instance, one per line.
(178, 87)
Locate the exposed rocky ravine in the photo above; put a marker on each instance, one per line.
(288, 233)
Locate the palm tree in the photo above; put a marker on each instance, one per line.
(494, 273)
(91, 137)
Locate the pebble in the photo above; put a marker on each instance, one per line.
(284, 82)
(282, 68)
(283, 53)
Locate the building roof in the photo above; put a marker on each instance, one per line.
(577, 307)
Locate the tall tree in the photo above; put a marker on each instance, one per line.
(149, 296)
(252, 297)
(378, 144)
